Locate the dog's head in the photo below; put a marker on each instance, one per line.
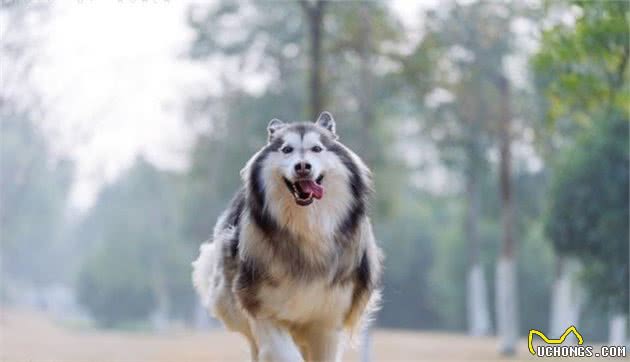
(302, 157)
(305, 179)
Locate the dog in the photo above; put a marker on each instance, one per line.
(293, 264)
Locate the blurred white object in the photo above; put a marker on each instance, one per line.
(506, 305)
(477, 303)
(617, 330)
(566, 299)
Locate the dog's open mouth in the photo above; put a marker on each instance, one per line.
(305, 190)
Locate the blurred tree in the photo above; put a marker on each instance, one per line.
(506, 288)
(465, 125)
(33, 205)
(139, 265)
(582, 70)
(34, 182)
(460, 72)
(314, 11)
(270, 41)
(451, 70)
(588, 216)
(583, 67)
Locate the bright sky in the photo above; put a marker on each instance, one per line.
(114, 74)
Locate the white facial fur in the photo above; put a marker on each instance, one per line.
(302, 152)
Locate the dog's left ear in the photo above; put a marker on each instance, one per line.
(273, 126)
(327, 121)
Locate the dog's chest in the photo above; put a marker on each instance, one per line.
(304, 302)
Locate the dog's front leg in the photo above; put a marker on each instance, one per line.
(324, 345)
(275, 344)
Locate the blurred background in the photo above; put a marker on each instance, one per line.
(497, 132)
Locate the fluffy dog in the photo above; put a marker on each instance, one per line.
(293, 264)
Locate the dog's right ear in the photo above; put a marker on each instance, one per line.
(273, 126)
(326, 120)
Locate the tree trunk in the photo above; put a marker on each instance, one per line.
(365, 87)
(565, 298)
(314, 14)
(160, 316)
(507, 300)
(477, 301)
(506, 305)
(617, 328)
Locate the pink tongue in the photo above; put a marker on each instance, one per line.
(311, 187)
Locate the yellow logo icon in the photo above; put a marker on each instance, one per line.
(564, 335)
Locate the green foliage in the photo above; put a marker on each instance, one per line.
(582, 70)
(462, 54)
(536, 271)
(114, 284)
(259, 37)
(139, 262)
(447, 278)
(588, 215)
(238, 118)
(409, 300)
(583, 67)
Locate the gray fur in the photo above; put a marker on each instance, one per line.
(273, 126)
(326, 121)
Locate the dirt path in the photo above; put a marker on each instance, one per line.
(31, 337)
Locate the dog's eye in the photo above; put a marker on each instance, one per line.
(287, 149)
(316, 149)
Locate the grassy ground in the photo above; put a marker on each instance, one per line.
(32, 337)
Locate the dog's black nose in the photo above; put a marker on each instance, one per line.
(302, 168)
